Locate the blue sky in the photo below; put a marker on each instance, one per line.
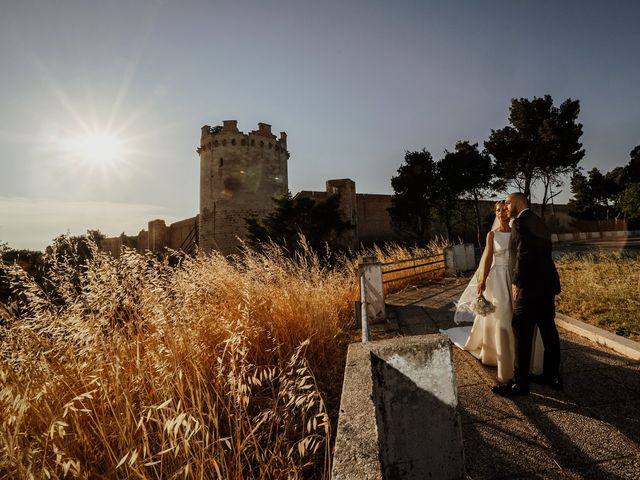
(353, 83)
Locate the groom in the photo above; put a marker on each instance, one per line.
(535, 283)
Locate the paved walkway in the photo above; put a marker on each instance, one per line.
(589, 430)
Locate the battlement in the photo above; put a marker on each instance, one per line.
(229, 135)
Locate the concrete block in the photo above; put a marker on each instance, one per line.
(371, 272)
(449, 261)
(398, 413)
(459, 258)
(470, 256)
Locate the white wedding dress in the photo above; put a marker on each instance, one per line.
(491, 339)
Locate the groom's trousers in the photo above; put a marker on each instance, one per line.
(527, 313)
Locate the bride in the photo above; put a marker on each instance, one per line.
(491, 339)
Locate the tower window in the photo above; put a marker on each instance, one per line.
(224, 142)
(233, 141)
(253, 142)
(261, 143)
(221, 162)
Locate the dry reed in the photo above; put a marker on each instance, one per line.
(602, 289)
(215, 368)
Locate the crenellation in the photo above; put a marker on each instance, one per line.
(205, 133)
(229, 135)
(264, 130)
(229, 126)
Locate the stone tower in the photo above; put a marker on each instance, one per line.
(239, 175)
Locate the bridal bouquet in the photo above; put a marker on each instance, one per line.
(481, 306)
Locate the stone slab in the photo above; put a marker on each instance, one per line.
(597, 387)
(508, 448)
(398, 412)
(478, 404)
(589, 430)
(578, 439)
(625, 417)
(622, 345)
(625, 468)
(590, 358)
(542, 400)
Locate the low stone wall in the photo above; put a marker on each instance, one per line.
(398, 412)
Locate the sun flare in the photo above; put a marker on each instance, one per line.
(101, 148)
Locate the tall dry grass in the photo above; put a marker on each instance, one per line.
(132, 368)
(215, 368)
(602, 288)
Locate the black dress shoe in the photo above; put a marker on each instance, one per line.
(511, 389)
(555, 383)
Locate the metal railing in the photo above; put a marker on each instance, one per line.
(190, 243)
(413, 268)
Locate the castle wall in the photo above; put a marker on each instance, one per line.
(156, 239)
(239, 176)
(241, 173)
(141, 241)
(157, 235)
(346, 189)
(113, 245)
(374, 222)
(179, 232)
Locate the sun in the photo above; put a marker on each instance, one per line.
(98, 148)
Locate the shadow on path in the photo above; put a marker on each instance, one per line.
(589, 430)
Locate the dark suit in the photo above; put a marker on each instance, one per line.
(535, 274)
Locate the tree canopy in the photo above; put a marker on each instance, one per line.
(426, 190)
(318, 221)
(470, 175)
(415, 192)
(540, 144)
(612, 195)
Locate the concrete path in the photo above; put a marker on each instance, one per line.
(589, 430)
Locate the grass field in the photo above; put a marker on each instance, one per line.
(602, 289)
(132, 368)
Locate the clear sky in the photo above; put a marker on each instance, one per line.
(353, 83)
